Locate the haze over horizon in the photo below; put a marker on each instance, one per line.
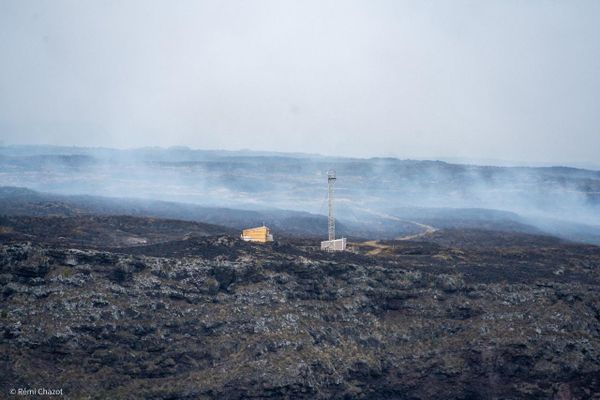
(445, 80)
(42, 149)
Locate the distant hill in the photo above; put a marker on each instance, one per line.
(289, 191)
(25, 202)
(252, 180)
(366, 224)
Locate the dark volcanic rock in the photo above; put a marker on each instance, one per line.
(233, 320)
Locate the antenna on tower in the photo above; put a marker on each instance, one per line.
(330, 217)
(332, 244)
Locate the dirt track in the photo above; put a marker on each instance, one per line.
(378, 247)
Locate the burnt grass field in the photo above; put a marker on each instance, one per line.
(123, 312)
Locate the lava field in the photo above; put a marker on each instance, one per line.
(211, 317)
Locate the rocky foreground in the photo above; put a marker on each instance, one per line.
(232, 320)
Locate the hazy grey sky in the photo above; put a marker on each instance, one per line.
(516, 80)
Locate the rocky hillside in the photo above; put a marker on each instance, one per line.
(214, 318)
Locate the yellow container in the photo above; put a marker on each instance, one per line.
(261, 234)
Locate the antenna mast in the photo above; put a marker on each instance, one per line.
(332, 244)
(331, 219)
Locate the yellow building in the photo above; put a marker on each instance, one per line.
(261, 234)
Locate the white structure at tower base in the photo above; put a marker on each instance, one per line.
(334, 245)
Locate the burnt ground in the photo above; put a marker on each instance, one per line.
(458, 314)
(495, 257)
(102, 231)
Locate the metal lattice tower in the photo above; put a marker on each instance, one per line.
(331, 219)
